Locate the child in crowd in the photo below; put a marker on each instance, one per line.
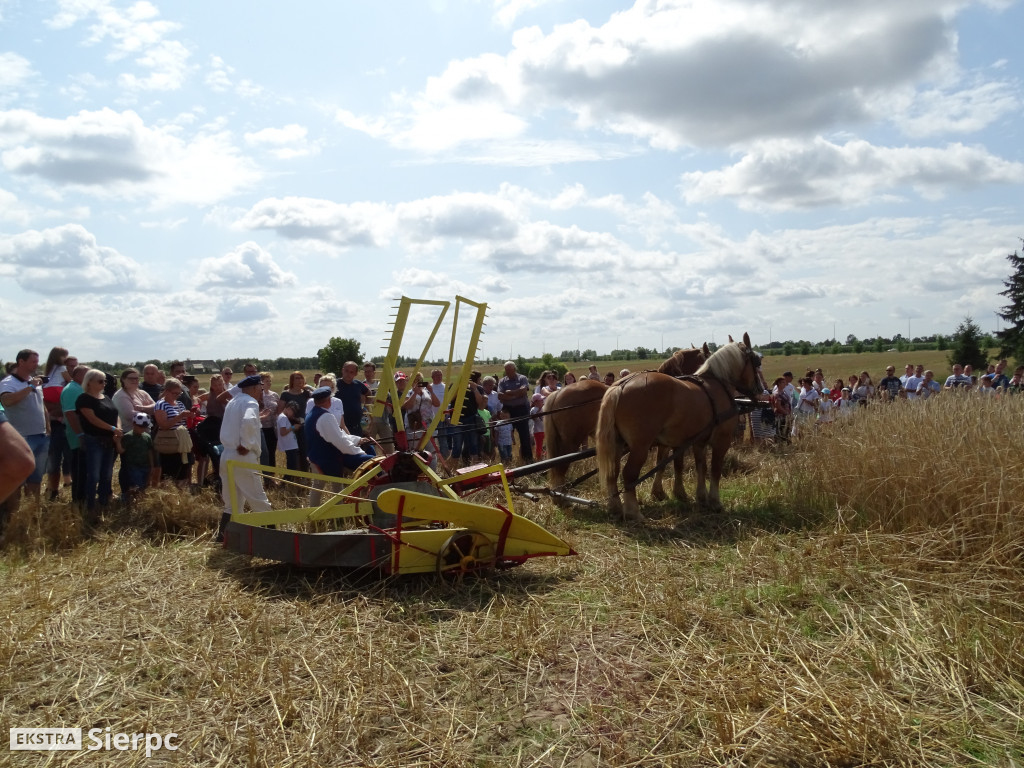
(503, 436)
(137, 456)
(825, 407)
(287, 427)
(537, 424)
(845, 405)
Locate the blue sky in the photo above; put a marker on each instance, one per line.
(251, 178)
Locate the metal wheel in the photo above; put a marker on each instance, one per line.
(465, 552)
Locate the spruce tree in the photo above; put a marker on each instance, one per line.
(1012, 336)
(965, 347)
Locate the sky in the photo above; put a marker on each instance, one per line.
(214, 180)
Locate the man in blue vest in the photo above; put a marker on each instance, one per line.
(327, 446)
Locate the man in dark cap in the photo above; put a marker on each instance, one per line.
(329, 448)
(241, 435)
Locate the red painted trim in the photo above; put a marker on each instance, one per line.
(503, 534)
(398, 531)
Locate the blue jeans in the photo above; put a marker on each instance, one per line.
(444, 438)
(99, 470)
(137, 478)
(60, 451)
(466, 439)
(40, 445)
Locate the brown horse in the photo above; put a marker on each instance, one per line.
(570, 414)
(655, 409)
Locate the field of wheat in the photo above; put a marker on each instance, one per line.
(860, 601)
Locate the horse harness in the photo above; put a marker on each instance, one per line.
(718, 418)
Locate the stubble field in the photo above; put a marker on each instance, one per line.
(860, 601)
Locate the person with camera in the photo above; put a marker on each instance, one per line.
(422, 401)
(21, 395)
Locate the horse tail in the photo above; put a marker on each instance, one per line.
(607, 436)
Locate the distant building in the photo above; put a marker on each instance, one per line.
(201, 366)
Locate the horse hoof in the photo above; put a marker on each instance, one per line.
(633, 517)
(658, 493)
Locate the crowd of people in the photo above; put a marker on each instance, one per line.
(71, 424)
(811, 401)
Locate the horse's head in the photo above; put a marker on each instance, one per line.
(751, 379)
(737, 365)
(693, 357)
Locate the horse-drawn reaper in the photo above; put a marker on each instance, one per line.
(674, 413)
(396, 514)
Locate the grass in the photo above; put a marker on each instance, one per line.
(859, 602)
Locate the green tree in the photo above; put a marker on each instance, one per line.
(940, 342)
(858, 346)
(1012, 336)
(966, 346)
(338, 352)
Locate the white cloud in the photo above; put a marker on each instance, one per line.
(218, 78)
(67, 259)
(541, 247)
(788, 175)
(245, 310)
(495, 284)
(116, 155)
(81, 87)
(23, 213)
(963, 111)
(694, 72)
(302, 218)
(284, 143)
(507, 11)
(460, 215)
(421, 278)
(15, 71)
(247, 267)
(426, 223)
(135, 32)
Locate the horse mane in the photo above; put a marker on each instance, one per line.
(725, 362)
(675, 365)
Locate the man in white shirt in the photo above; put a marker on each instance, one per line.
(379, 428)
(958, 379)
(912, 380)
(329, 448)
(928, 386)
(241, 435)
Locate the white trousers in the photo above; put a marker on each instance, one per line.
(249, 484)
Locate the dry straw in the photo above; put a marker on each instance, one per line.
(887, 631)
